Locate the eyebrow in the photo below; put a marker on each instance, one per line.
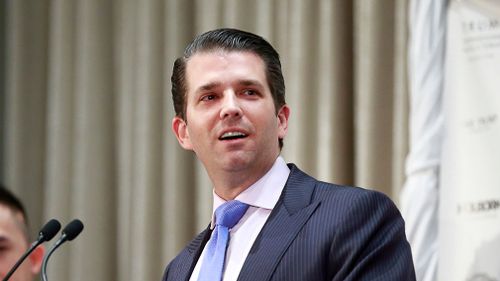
(250, 82)
(208, 87)
(243, 82)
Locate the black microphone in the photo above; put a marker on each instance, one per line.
(69, 233)
(48, 231)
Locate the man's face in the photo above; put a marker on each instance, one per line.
(231, 121)
(12, 246)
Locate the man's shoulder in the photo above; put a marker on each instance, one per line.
(335, 193)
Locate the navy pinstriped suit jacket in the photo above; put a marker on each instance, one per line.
(319, 231)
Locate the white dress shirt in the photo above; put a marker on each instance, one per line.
(261, 197)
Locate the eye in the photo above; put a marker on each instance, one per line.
(4, 248)
(250, 92)
(208, 97)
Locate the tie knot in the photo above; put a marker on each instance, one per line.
(229, 213)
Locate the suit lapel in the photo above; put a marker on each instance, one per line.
(286, 220)
(184, 268)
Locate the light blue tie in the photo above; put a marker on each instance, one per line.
(227, 215)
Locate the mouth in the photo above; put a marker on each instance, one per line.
(232, 135)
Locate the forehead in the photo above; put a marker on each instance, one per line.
(10, 223)
(220, 66)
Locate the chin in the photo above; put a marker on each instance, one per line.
(237, 163)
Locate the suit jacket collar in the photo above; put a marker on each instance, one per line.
(298, 190)
(196, 246)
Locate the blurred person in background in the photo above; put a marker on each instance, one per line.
(14, 239)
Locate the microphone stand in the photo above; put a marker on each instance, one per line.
(46, 259)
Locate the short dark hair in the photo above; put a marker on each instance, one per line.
(9, 200)
(229, 39)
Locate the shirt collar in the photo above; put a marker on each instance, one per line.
(265, 192)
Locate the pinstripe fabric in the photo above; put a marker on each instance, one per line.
(320, 231)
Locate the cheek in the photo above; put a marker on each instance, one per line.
(271, 127)
(7, 258)
(3, 261)
(198, 134)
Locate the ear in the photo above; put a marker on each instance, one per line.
(179, 127)
(283, 115)
(36, 259)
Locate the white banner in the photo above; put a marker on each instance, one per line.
(420, 194)
(469, 230)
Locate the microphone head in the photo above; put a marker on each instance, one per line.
(73, 229)
(49, 230)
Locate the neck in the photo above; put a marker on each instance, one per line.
(228, 185)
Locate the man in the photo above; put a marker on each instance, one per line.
(229, 97)
(14, 240)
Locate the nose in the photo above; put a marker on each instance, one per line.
(230, 106)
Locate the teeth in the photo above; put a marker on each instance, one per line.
(232, 135)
